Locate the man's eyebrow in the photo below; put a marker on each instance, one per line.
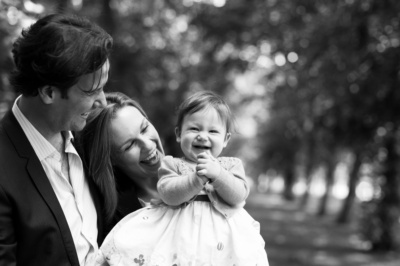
(91, 91)
(144, 121)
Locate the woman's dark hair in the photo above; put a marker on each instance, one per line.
(94, 145)
(56, 51)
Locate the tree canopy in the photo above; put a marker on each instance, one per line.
(308, 80)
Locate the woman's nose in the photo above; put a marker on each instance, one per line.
(146, 143)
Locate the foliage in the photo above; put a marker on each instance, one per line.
(319, 78)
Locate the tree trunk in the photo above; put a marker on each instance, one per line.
(306, 194)
(330, 171)
(388, 205)
(62, 6)
(344, 213)
(308, 171)
(289, 177)
(107, 20)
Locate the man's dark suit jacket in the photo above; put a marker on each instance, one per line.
(33, 228)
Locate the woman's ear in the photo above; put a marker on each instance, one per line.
(47, 94)
(178, 134)
(227, 138)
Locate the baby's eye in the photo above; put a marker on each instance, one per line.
(214, 131)
(194, 129)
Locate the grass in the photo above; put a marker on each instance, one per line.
(296, 237)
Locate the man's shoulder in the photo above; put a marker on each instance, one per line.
(7, 121)
(10, 138)
(5, 131)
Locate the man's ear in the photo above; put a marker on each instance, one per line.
(227, 138)
(47, 94)
(178, 134)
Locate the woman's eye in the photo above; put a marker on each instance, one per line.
(131, 144)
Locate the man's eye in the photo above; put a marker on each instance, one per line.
(144, 130)
(93, 92)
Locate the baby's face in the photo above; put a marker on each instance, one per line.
(203, 131)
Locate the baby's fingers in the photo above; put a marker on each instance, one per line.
(202, 161)
(200, 167)
(203, 155)
(202, 172)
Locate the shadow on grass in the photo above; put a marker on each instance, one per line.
(296, 237)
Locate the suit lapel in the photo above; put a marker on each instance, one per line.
(41, 181)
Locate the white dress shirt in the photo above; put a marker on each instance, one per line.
(74, 195)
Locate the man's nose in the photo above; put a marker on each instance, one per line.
(101, 100)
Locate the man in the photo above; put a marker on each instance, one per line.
(50, 214)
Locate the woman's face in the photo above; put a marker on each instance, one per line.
(137, 144)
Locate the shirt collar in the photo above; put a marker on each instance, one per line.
(42, 146)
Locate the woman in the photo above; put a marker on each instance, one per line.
(201, 220)
(121, 150)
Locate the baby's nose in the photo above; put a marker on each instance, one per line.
(201, 136)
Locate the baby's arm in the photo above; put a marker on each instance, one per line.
(176, 189)
(231, 185)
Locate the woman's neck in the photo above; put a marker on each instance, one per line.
(147, 189)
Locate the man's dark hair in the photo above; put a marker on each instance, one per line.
(56, 51)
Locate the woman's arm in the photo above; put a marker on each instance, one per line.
(175, 189)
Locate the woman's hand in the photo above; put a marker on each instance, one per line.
(207, 166)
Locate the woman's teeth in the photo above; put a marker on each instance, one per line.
(152, 158)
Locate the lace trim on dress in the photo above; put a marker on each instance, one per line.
(226, 163)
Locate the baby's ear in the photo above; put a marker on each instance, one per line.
(227, 138)
(178, 134)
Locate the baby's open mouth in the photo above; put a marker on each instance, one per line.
(201, 147)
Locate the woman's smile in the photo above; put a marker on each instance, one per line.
(152, 159)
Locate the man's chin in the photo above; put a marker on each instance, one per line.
(79, 126)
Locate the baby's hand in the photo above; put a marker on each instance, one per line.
(207, 166)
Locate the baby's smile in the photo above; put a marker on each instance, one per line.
(201, 147)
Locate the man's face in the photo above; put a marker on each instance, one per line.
(70, 113)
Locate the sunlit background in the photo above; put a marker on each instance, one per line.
(314, 86)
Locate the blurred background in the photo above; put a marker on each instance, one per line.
(314, 85)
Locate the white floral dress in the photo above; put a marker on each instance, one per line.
(192, 234)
